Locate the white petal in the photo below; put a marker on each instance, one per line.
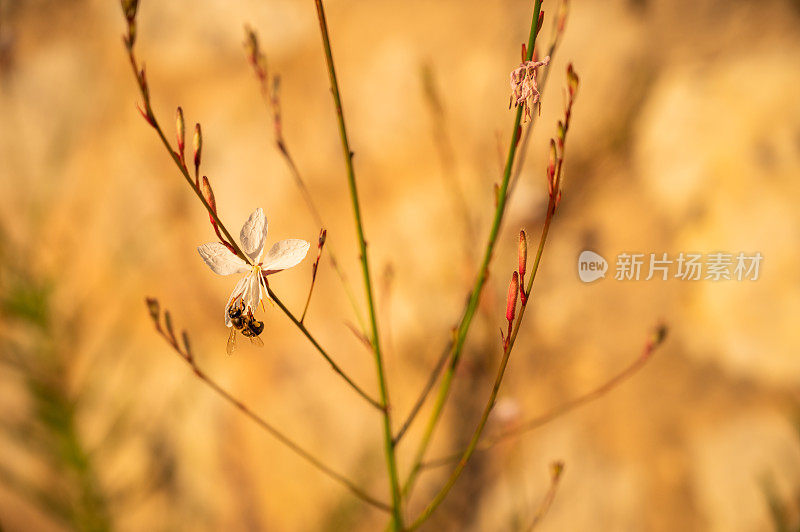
(237, 291)
(285, 254)
(252, 292)
(221, 260)
(254, 233)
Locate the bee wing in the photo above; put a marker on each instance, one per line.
(256, 341)
(230, 347)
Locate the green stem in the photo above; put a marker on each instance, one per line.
(389, 448)
(322, 351)
(483, 273)
(462, 463)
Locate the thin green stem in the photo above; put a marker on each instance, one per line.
(483, 273)
(389, 448)
(322, 351)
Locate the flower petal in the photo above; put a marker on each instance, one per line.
(285, 254)
(221, 260)
(252, 292)
(254, 233)
(237, 291)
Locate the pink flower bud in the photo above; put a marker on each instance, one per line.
(523, 253)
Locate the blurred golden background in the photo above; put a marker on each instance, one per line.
(685, 138)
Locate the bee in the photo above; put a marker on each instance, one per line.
(247, 325)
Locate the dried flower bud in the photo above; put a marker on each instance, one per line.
(523, 253)
(180, 130)
(153, 308)
(513, 290)
(129, 8)
(197, 143)
(323, 235)
(524, 87)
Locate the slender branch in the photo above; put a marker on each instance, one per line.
(187, 356)
(437, 370)
(270, 94)
(322, 351)
(389, 450)
(320, 244)
(483, 273)
(556, 470)
(543, 419)
(151, 119)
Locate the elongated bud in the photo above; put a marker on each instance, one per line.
(524, 52)
(523, 253)
(572, 81)
(208, 194)
(513, 290)
(180, 130)
(539, 22)
(323, 235)
(197, 144)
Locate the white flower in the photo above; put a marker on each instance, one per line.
(252, 288)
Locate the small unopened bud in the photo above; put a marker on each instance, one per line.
(323, 235)
(524, 52)
(562, 133)
(129, 8)
(180, 129)
(208, 194)
(572, 81)
(153, 308)
(540, 21)
(513, 290)
(197, 144)
(523, 253)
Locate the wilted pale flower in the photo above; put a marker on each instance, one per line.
(524, 90)
(251, 288)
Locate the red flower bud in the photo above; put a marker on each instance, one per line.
(523, 253)
(513, 290)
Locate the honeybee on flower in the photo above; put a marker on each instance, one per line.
(252, 287)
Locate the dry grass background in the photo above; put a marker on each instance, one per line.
(686, 138)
